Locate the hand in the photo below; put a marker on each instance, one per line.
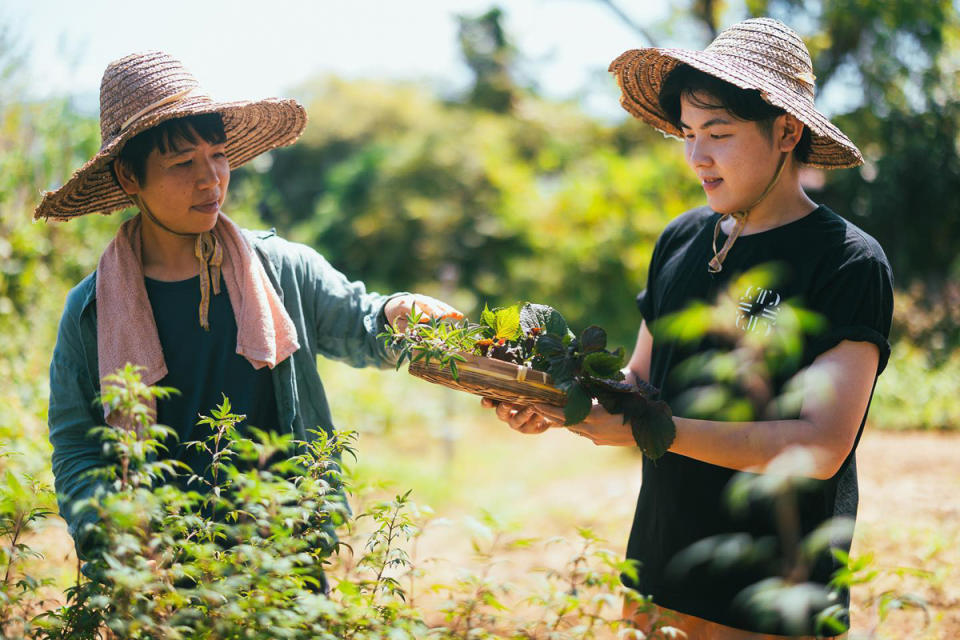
(397, 309)
(520, 418)
(600, 426)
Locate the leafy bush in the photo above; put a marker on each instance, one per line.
(22, 508)
(241, 551)
(246, 549)
(915, 393)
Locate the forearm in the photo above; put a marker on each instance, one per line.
(751, 446)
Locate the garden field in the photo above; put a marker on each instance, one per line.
(498, 500)
(493, 190)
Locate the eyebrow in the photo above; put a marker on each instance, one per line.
(173, 153)
(709, 123)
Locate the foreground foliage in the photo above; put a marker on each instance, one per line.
(241, 550)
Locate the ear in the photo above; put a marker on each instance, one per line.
(128, 181)
(788, 131)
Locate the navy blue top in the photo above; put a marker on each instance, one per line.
(204, 366)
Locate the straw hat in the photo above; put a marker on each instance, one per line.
(139, 92)
(760, 53)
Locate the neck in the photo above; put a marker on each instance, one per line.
(167, 256)
(785, 203)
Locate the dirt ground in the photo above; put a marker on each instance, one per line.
(910, 520)
(908, 523)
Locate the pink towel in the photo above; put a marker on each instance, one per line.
(127, 332)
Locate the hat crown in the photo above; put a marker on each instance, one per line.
(133, 84)
(771, 46)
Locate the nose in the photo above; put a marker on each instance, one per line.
(698, 154)
(208, 175)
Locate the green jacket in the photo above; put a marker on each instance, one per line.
(334, 317)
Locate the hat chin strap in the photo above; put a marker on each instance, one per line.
(716, 262)
(209, 253)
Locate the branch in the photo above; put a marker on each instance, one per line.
(627, 20)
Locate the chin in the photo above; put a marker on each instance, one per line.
(205, 223)
(720, 207)
(724, 207)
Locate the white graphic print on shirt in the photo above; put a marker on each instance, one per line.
(757, 309)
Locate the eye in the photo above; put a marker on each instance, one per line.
(185, 163)
(719, 136)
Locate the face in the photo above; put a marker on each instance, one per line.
(184, 187)
(734, 159)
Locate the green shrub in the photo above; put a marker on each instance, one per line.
(915, 392)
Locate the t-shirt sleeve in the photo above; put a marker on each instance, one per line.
(856, 303)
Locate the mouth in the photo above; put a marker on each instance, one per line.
(210, 206)
(709, 184)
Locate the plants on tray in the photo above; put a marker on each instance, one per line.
(537, 336)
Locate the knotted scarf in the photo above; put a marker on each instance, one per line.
(127, 331)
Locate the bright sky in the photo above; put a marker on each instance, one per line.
(245, 49)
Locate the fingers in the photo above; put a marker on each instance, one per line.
(529, 421)
(399, 307)
(551, 412)
(520, 418)
(433, 308)
(536, 418)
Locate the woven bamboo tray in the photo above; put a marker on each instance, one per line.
(495, 379)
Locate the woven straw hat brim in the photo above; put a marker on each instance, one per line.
(252, 128)
(641, 72)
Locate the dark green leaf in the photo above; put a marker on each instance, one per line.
(546, 318)
(601, 364)
(562, 370)
(654, 429)
(550, 345)
(651, 420)
(578, 406)
(592, 339)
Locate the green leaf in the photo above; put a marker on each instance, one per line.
(488, 318)
(654, 429)
(507, 323)
(546, 318)
(651, 420)
(550, 345)
(561, 369)
(578, 406)
(592, 339)
(601, 364)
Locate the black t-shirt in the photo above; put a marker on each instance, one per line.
(204, 366)
(696, 553)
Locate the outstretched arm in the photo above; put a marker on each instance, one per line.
(836, 392)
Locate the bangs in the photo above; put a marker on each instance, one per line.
(172, 135)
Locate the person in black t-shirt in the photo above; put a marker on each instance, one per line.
(744, 108)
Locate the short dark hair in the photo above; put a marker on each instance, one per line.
(744, 104)
(167, 136)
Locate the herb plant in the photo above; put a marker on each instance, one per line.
(537, 336)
